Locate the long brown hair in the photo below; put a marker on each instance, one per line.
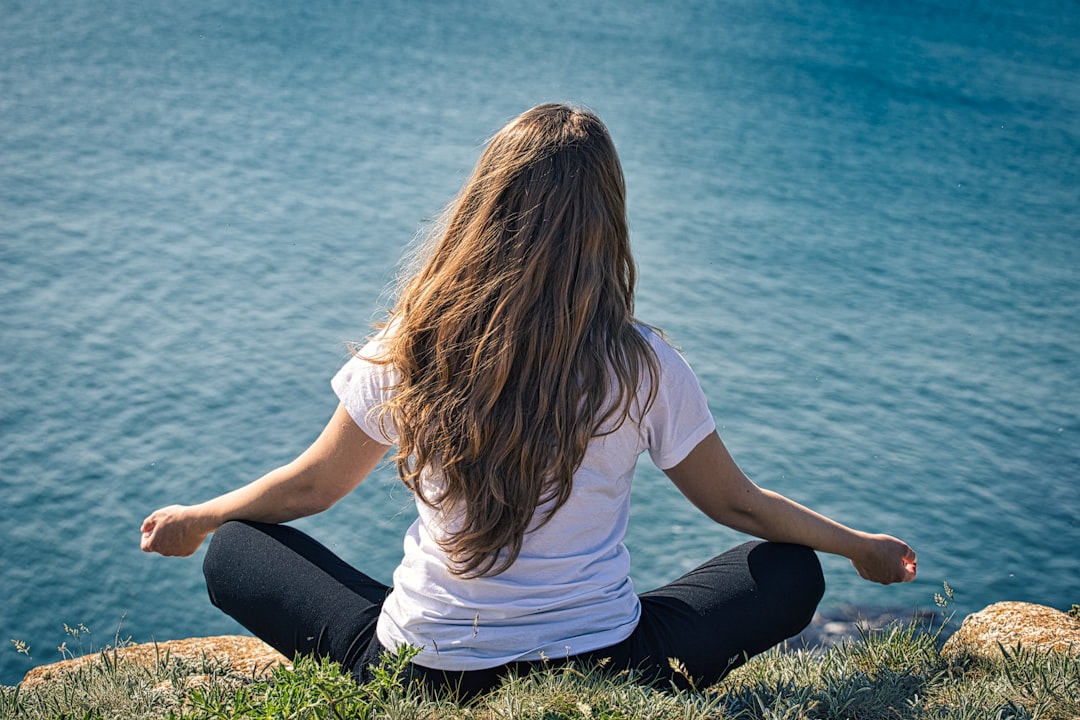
(515, 339)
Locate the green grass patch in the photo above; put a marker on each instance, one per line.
(895, 674)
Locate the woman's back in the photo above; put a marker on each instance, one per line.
(568, 590)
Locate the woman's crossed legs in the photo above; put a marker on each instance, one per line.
(301, 598)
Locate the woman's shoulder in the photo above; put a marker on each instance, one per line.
(674, 367)
(375, 347)
(657, 340)
(650, 332)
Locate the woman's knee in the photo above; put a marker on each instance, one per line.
(792, 574)
(805, 569)
(226, 545)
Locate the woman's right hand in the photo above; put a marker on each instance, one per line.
(175, 530)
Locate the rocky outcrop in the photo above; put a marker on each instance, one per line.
(1004, 624)
(1008, 624)
(245, 655)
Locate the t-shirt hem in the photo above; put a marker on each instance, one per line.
(432, 660)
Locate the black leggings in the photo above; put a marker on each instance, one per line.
(301, 598)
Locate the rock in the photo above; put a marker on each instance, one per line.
(246, 655)
(1008, 624)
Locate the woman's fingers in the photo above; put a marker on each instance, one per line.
(887, 561)
(166, 531)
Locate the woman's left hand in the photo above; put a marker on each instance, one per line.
(174, 530)
(885, 559)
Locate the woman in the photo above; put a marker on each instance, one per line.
(519, 391)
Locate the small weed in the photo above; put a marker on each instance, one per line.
(943, 601)
(76, 633)
(679, 668)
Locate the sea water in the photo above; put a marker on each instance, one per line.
(858, 220)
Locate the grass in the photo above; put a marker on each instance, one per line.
(896, 673)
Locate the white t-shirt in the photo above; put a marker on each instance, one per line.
(569, 590)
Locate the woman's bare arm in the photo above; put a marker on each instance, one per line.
(711, 480)
(330, 469)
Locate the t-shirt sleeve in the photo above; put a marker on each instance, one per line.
(679, 418)
(361, 385)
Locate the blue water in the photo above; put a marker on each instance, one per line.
(859, 221)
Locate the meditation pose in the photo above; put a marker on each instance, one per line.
(516, 391)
